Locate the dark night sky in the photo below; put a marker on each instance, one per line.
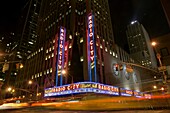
(9, 13)
(147, 12)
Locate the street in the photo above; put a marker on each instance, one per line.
(50, 110)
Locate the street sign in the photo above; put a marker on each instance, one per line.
(162, 68)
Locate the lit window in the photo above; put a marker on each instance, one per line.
(81, 58)
(70, 46)
(101, 46)
(70, 36)
(51, 70)
(97, 44)
(102, 64)
(47, 51)
(40, 73)
(46, 58)
(81, 40)
(52, 55)
(69, 63)
(106, 49)
(50, 49)
(47, 71)
(76, 33)
(113, 53)
(110, 52)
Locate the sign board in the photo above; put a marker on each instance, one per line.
(162, 68)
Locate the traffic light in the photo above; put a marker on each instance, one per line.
(121, 67)
(116, 67)
(129, 69)
(17, 65)
(5, 67)
(162, 88)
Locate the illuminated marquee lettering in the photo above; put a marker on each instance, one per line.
(85, 85)
(90, 26)
(61, 50)
(61, 45)
(129, 92)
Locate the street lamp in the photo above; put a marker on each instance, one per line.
(30, 82)
(9, 89)
(65, 73)
(160, 62)
(155, 87)
(153, 43)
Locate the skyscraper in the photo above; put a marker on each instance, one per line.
(166, 8)
(73, 17)
(140, 45)
(76, 36)
(27, 26)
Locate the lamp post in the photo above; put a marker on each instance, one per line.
(65, 73)
(30, 82)
(160, 62)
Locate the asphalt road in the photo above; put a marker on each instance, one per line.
(47, 110)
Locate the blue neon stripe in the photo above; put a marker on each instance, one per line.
(89, 60)
(94, 46)
(63, 51)
(57, 62)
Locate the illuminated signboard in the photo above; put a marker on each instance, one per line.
(91, 48)
(61, 50)
(125, 92)
(138, 94)
(82, 87)
(147, 96)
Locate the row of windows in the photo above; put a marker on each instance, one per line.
(41, 74)
(52, 24)
(33, 54)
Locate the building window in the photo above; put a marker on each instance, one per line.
(81, 40)
(164, 51)
(81, 58)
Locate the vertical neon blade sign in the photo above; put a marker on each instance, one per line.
(61, 50)
(91, 49)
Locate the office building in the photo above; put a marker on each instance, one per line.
(166, 8)
(76, 36)
(140, 45)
